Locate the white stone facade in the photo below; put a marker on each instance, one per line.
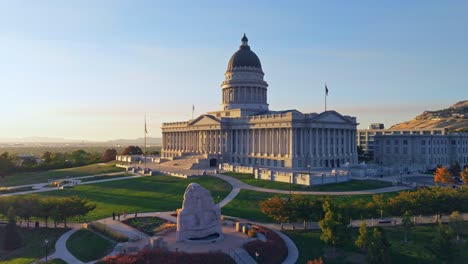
(426, 150)
(245, 132)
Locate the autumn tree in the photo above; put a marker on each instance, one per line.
(334, 226)
(132, 150)
(407, 224)
(442, 175)
(109, 155)
(276, 208)
(363, 239)
(315, 261)
(456, 222)
(464, 175)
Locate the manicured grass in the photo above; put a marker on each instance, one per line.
(87, 246)
(352, 185)
(145, 194)
(105, 177)
(415, 251)
(33, 244)
(43, 176)
(246, 203)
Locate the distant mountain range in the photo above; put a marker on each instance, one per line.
(454, 118)
(48, 140)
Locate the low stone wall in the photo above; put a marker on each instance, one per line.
(301, 178)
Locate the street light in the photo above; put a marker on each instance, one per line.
(46, 245)
(258, 173)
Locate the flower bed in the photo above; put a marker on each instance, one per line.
(107, 232)
(168, 257)
(147, 225)
(273, 251)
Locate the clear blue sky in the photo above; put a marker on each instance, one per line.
(91, 69)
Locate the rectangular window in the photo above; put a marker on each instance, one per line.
(396, 150)
(405, 150)
(396, 142)
(423, 142)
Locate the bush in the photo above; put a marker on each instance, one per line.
(107, 232)
(167, 257)
(273, 251)
(252, 233)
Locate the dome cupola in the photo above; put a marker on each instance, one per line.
(244, 57)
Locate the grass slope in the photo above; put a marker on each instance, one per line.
(352, 185)
(145, 194)
(43, 176)
(33, 245)
(87, 246)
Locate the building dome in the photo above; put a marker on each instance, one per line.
(244, 57)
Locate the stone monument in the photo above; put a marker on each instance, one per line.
(200, 218)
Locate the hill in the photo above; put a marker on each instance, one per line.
(454, 118)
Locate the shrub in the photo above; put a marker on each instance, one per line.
(107, 232)
(252, 233)
(273, 251)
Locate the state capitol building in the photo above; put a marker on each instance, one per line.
(246, 132)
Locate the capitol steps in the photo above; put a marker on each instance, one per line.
(241, 256)
(186, 162)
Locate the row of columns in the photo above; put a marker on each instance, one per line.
(295, 142)
(244, 95)
(206, 141)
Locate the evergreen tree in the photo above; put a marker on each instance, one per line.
(364, 237)
(12, 239)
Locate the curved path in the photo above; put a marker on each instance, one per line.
(293, 253)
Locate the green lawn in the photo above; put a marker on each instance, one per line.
(352, 185)
(86, 246)
(43, 176)
(106, 177)
(246, 204)
(145, 194)
(33, 245)
(415, 251)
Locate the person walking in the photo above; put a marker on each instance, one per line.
(113, 216)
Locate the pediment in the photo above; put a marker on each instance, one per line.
(204, 120)
(331, 117)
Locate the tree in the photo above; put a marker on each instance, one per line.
(378, 248)
(364, 237)
(315, 261)
(79, 157)
(132, 150)
(442, 175)
(302, 209)
(276, 208)
(12, 239)
(47, 157)
(109, 155)
(455, 169)
(464, 175)
(442, 245)
(333, 225)
(6, 163)
(455, 222)
(407, 224)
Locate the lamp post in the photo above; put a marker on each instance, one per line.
(258, 173)
(46, 248)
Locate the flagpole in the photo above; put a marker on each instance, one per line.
(145, 143)
(325, 97)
